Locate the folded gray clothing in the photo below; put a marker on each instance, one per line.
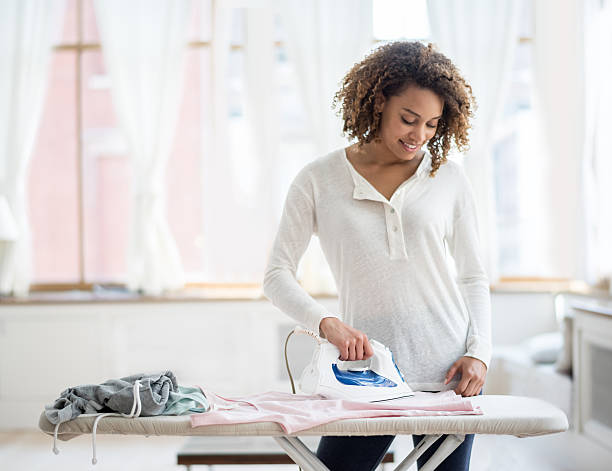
(114, 395)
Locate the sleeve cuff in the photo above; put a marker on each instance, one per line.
(323, 316)
(479, 348)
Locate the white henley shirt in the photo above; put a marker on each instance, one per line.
(391, 260)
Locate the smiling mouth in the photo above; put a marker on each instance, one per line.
(408, 147)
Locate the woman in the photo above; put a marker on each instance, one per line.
(389, 211)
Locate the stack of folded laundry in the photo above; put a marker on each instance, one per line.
(139, 395)
(158, 394)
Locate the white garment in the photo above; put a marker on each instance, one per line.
(390, 261)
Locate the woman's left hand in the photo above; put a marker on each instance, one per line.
(473, 373)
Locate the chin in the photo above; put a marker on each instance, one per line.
(409, 156)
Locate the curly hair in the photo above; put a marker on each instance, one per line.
(387, 71)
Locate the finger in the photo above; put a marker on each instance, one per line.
(477, 388)
(351, 350)
(359, 348)
(368, 351)
(471, 389)
(450, 374)
(344, 351)
(462, 386)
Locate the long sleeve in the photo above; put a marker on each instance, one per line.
(472, 280)
(280, 286)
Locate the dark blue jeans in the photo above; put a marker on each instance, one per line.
(366, 453)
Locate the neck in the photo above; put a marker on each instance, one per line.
(375, 154)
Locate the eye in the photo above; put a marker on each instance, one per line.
(432, 126)
(408, 122)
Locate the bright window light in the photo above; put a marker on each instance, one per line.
(397, 19)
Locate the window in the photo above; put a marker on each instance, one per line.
(80, 173)
(515, 168)
(80, 190)
(392, 16)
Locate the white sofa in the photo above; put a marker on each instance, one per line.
(538, 362)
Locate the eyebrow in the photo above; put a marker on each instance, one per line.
(418, 115)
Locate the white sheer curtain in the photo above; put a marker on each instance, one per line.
(240, 143)
(324, 40)
(262, 114)
(480, 37)
(559, 101)
(28, 30)
(597, 163)
(239, 138)
(144, 44)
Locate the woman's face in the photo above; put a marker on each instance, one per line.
(408, 121)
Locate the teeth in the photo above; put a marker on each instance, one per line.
(408, 145)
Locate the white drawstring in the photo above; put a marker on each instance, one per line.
(55, 448)
(136, 406)
(135, 412)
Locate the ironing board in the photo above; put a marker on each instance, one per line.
(502, 415)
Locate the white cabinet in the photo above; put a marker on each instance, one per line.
(593, 369)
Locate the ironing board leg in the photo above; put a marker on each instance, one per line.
(301, 454)
(421, 448)
(450, 443)
(312, 458)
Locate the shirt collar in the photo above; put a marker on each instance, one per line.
(364, 190)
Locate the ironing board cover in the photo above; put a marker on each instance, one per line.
(503, 415)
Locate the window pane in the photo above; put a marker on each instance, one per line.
(108, 174)
(280, 34)
(526, 19)
(508, 210)
(296, 143)
(237, 26)
(200, 24)
(519, 96)
(228, 182)
(90, 27)
(519, 179)
(106, 177)
(235, 87)
(69, 30)
(235, 236)
(400, 19)
(53, 173)
(184, 166)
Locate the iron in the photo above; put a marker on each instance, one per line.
(373, 380)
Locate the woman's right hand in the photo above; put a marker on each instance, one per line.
(352, 343)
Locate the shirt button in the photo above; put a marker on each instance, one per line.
(392, 210)
(394, 228)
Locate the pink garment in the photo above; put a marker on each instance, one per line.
(294, 412)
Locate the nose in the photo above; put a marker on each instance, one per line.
(419, 134)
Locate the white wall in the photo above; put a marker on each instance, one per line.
(229, 347)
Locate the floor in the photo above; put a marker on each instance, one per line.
(31, 451)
